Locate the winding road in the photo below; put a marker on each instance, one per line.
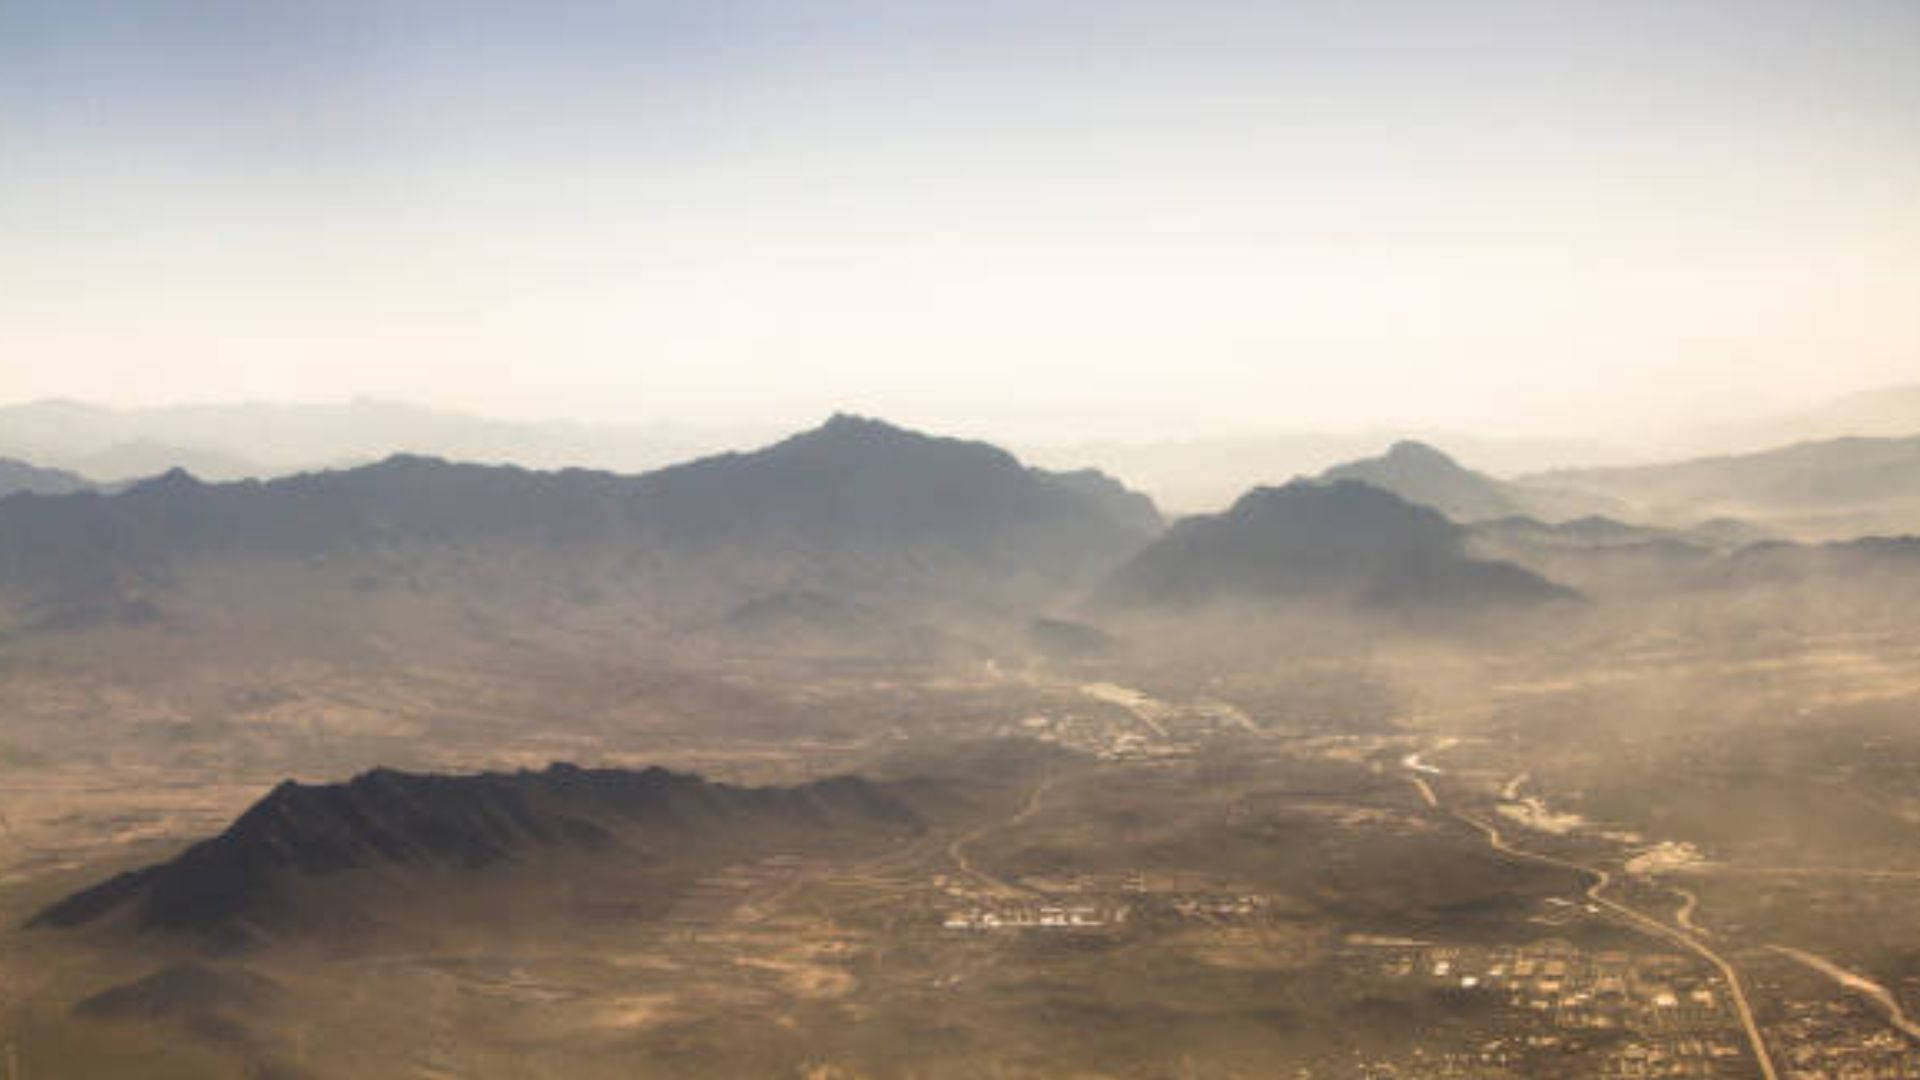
(957, 851)
(1684, 914)
(1642, 922)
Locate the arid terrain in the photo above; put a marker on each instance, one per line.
(1319, 786)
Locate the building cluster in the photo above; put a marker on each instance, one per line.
(1017, 915)
(1109, 738)
(1840, 1037)
(1221, 907)
(1620, 1014)
(1134, 727)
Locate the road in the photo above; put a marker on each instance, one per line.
(957, 851)
(1644, 923)
(1426, 791)
(1684, 915)
(1859, 984)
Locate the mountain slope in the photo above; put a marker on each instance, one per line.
(1344, 543)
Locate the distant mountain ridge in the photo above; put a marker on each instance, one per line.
(1422, 474)
(19, 477)
(1206, 472)
(853, 501)
(1880, 412)
(1612, 560)
(1833, 488)
(240, 440)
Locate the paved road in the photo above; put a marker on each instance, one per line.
(1646, 924)
(1426, 790)
(957, 851)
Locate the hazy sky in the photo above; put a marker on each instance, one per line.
(1002, 217)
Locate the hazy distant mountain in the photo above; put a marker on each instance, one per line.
(1720, 534)
(855, 506)
(18, 476)
(255, 439)
(325, 858)
(1837, 488)
(1207, 474)
(124, 462)
(1608, 559)
(1344, 543)
(1883, 412)
(1875, 562)
(1605, 558)
(1422, 474)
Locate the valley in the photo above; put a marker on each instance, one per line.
(968, 770)
(1272, 880)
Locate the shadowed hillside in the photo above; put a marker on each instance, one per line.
(255, 877)
(1345, 543)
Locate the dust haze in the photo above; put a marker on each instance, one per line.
(866, 541)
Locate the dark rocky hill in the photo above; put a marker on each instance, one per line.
(1345, 543)
(268, 872)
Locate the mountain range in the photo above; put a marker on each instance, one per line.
(1827, 489)
(1550, 479)
(855, 507)
(232, 441)
(1835, 489)
(859, 536)
(1882, 412)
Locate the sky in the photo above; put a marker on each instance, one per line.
(1027, 219)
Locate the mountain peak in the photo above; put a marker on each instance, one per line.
(1344, 541)
(846, 423)
(1420, 473)
(848, 433)
(1415, 452)
(175, 479)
